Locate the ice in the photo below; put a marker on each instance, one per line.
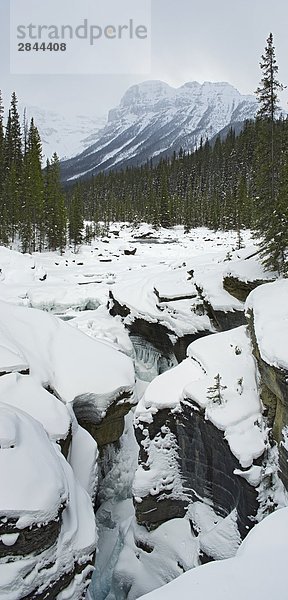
(83, 455)
(116, 510)
(163, 474)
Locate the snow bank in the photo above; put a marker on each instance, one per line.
(60, 299)
(248, 270)
(71, 363)
(166, 390)
(248, 575)
(33, 485)
(141, 295)
(269, 304)
(100, 325)
(38, 488)
(25, 393)
(229, 354)
(210, 281)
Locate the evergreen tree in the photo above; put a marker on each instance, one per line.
(55, 214)
(270, 219)
(3, 206)
(31, 224)
(274, 244)
(215, 392)
(76, 222)
(267, 92)
(13, 162)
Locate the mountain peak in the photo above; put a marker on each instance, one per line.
(154, 119)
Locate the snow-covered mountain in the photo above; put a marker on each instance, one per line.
(154, 119)
(62, 134)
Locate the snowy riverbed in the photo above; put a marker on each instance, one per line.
(70, 350)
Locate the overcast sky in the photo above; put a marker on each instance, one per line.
(203, 40)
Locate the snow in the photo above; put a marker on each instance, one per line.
(249, 270)
(239, 416)
(55, 351)
(161, 473)
(66, 135)
(172, 550)
(140, 297)
(269, 304)
(25, 393)
(100, 325)
(152, 107)
(87, 356)
(247, 575)
(83, 455)
(37, 484)
(9, 539)
(28, 461)
(10, 359)
(166, 390)
(59, 300)
(210, 283)
(76, 542)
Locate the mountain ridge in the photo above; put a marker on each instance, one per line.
(154, 119)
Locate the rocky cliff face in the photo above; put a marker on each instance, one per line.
(208, 453)
(266, 310)
(206, 467)
(203, 437)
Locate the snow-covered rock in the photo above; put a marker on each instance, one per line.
(269, 305)
(25, 393)
(161, 312)
(258, 570)
(47, 526)
(267, 313)
(81, 370)
(178, 423)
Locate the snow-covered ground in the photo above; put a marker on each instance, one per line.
(60, 346)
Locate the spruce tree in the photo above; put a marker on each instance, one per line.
(55, 215)
(13, 163)
(76, 222)
(269, 221)
(215, 392)
(267, 92)
(31, 223)
(3, 206)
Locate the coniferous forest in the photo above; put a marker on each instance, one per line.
(32, 203)
(232, 182)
